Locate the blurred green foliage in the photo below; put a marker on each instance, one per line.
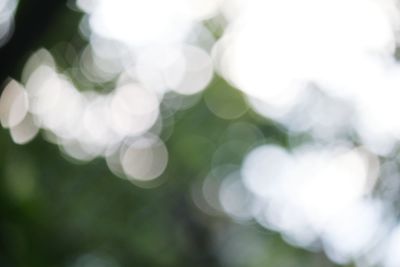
(55, 212)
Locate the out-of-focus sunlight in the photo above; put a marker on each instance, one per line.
(13, 105)
(7, 10)
(276, 51)
(316, 161)
(89, 124)
(146, 49)
(316, 193)
(147, 22)
(144, 159)
(158, 43)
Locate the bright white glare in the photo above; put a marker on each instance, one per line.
(86, 5)
(145, 22)
(273, 51)
(323, 67)
(392, 255)
(301, 66)
(363, 222)
(161, 45)
(314, 190)
(265, 169)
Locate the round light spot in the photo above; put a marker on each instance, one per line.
(145, 158)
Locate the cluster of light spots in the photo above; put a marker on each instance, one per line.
(309, 116)
(323, 67)
(337, 80)
(7, 10)
(205, 194)
(14, 114)
(274, 51)
(150, 50)
(133, 109)
(222, 190)
(86, 124)
(186, 70)
(315, 194)
(163, 46)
